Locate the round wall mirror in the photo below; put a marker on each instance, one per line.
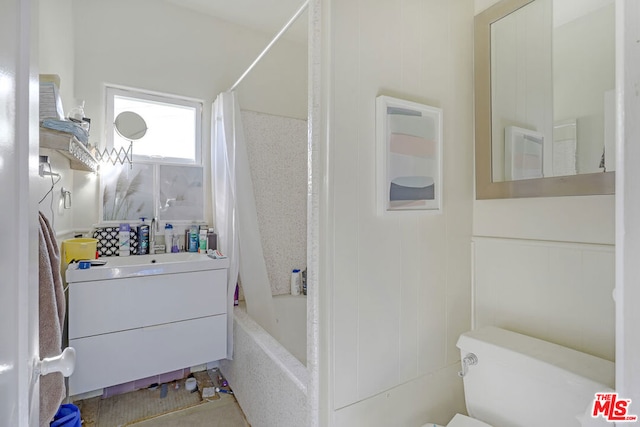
(130, 125)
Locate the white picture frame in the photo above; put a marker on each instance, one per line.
(523, 154)
(408, 157)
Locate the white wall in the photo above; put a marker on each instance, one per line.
(429, 398)
(399, 287)
(56, 45)
(556, 291)
(628, 202)
(548, 224)
(480, 5)
(166, 48)
(585, 219)
(56, 56)
(586, 43)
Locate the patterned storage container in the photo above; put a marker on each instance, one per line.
(108, 240)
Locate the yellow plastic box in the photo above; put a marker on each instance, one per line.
(79, 249)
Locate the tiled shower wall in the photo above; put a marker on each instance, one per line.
(277, 149)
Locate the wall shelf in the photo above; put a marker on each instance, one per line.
(80, 158)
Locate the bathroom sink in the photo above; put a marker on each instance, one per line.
(145, 265)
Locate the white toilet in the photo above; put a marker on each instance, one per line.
(514, 380)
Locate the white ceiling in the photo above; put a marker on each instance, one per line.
(268, 16)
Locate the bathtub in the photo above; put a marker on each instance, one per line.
(269, 382)
(291, 319)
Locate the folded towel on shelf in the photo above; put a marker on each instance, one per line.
(69, 127)
(52, 309)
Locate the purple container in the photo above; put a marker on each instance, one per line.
(235, 295)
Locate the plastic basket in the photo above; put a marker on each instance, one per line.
(68, 415)
(79, 248)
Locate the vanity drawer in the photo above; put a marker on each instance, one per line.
(120, 357)
(105, 306)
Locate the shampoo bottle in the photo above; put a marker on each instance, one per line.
(304, 281)
(202, 241)
(295, 282)
(143, 238)
(168, 237)
(193, 238)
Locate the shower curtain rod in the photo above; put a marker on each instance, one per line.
(275, 39)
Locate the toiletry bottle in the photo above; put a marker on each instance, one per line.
(202, 241)
(168, 237)
(304, 281)
(124, 240)
(143, 238)
(77, 113)
(193, 238)
(212, 239)
(175, 240)
(295, 282)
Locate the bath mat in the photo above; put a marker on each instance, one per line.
(128, 408)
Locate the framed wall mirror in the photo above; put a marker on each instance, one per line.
(544, 98)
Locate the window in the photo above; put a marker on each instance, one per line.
(166, 177)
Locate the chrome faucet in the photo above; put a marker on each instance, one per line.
(152, 235)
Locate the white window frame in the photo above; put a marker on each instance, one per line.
(155, 161)
(111, 91)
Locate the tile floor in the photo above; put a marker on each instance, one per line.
(224, 412)
(146, 408)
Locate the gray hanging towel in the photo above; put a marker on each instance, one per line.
(52, 308)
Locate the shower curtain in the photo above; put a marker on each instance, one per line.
(236, 217)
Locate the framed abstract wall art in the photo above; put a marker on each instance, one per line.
(409, 156)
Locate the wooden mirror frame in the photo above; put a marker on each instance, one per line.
(571, 185)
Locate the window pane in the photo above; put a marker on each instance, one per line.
(181, 193)
(171, 129)
(128, 192)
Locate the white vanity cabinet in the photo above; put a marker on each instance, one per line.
(153, 320)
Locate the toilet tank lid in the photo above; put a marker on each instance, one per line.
(489, 339)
